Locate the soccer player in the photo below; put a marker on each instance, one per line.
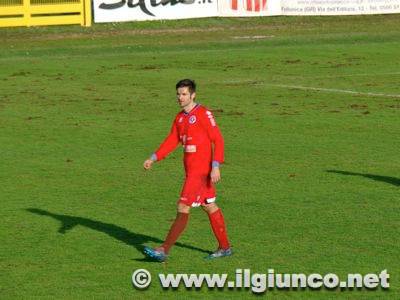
(195, 128)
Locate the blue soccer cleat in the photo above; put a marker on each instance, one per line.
(220, 253)
(158, 255)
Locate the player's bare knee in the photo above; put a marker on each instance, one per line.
(210, 208)
(183, 208)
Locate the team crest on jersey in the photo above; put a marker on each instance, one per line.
(192, 120)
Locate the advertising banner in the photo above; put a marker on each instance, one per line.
(339, 7)
(141, 10)
(249, 8)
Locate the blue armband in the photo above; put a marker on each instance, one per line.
(215, 164)
(153, 157)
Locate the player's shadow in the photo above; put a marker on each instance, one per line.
(391, 180)
(136, 240)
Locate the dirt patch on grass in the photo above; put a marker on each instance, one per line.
(358, 106)
(219, 112)
(235, 113)
(288, 113)
(112, 32)
(242, 83)
(127, 66)
(115, 32)
(21, 73)
(395, 106)
(292, 61)
(30, 118)
(150, 67)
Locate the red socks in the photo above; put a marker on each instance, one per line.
(175, 231)
(179, 225)
(218, 227)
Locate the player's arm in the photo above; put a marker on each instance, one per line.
(166, 147)
(218, 142)
(215, 174)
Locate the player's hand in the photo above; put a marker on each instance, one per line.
(147, 164)
(215, 175)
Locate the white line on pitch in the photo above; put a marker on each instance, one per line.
(299, 87)
(344, 75)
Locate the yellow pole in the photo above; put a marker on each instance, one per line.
(87, 13)
(27, 13)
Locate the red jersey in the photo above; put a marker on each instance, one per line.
(197, 131)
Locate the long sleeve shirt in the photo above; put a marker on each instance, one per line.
(201, 139)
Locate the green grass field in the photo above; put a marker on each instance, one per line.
(309, 109)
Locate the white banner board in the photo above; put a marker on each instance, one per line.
(338, 7)
(142, 10)
(249, 8)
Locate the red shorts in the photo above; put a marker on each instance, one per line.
(197, 190)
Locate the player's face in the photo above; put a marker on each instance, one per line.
(184, 97)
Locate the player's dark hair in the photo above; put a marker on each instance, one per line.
(187, 83)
